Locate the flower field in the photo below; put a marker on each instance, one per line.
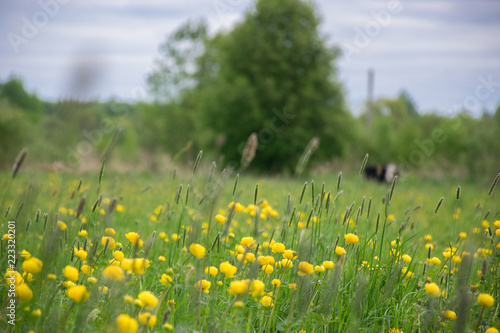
(212, 251)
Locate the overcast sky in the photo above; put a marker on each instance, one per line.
(443, 53)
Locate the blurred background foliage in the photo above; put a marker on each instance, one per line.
(273, 74)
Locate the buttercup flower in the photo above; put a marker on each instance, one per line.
(133, 237)
(448, 314)
(119, 256)
(23, 292)
(266, 301)
(148, 299)
(433, 289)
(305, 268)
(485, 300)
(71, 273)
(238, 287)
(111, 243)
(211, 270)
(126, 324)
(203, 285)
(227, 269)
(351, 238)
(197, 250)
(78, 293)
(113, 273)
(278, 248)
(147, 319)
(32, 265)
(328, 264)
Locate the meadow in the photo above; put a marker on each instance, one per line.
(209, 250)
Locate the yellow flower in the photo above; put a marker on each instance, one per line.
(113, 273)
(391, 217)
(266, 260)
(110, 231)
(276, 282)
(80, 253)
(120, 208)
(429, 246)
(433, 289)
(126, 324)
(36, 313)
(238, 287)
(128, 299)
(239, 304)
(203, 285)
(485, 300)
(133, 237)
(448, 314)
(92, 280)
(83, 233)
(71, 273)
(197, 250)
(435, 261)
(248, 257)
(406, 258)
(268, 269)
(51, 276)
(427, 238)
(290, 254)
(111, 243)
(168, 327)
(351, 238)
(328, 264)
(221, 219)
(463, 235)
(339, 250)
(78, 293)
(137, 265)
(491, 329)
(247, 241)
(61, 225)
(147, 319)
(165, 279)
(118, 255)
(211, 270)
(87, 270)
(68, 284)
(25, 254)
(305, 268)
(292, 285)
(319, 269)
(32, 265)
(278, 248)
(23, 292)
(286, 263)
(485, 224)
(257, 288)
(266, 301)
(227, 269)
(148, 299)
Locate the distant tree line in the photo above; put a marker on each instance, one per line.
(273, 74)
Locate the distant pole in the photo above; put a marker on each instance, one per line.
(369, 101)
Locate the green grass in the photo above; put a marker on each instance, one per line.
(366, 291)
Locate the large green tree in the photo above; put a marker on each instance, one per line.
(274, 74)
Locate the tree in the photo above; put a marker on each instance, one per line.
(13, 91)
(174, 70)
(272, 74)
